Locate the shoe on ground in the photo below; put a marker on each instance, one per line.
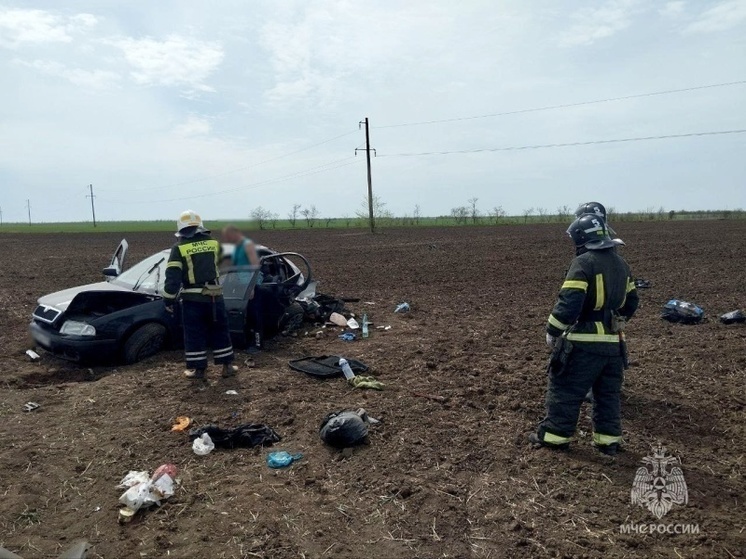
(229, 371)
(195, 374)
(609, 449)
(534, 439)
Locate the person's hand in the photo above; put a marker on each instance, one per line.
(170, 309)
(551, 341)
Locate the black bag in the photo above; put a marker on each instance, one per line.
(343, 429)
(682, 312)
(733, 317)
(247, 436)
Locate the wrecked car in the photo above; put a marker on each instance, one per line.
(123, 319)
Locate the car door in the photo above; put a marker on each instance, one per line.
(117, 261)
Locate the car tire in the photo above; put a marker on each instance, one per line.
(144, 342)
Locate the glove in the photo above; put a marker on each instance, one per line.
(551, 341)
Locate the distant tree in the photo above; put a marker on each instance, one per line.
(380, 213)
(671, 214)
(329, 222)
(347, 219)
(273, 217)
(661, 212)
(528, 212)
(474, 212)
(542, 213)
(310, 214)
(416, 214)
(261, 216)
(293, 215)
(497, 213)
(460, 214)
(563, 213)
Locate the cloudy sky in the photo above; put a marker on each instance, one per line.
(227, 105)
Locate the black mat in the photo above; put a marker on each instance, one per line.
(326, 366)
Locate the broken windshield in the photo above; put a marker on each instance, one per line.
(147, 275)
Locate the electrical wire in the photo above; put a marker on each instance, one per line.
(568, 144)
(564, 105)
(238, 169)
(307, 172)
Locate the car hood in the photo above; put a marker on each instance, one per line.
(60, 300)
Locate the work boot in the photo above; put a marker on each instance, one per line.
(534, 439)
(229, 370)
(608, 449)
(195, 374)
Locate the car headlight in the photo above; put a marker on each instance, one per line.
(75, 328)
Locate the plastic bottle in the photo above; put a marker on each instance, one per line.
(366, 331)
(346, 370)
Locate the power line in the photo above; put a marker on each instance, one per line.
(569, 144)
(565, 105)
(311, 171)
(239, 169)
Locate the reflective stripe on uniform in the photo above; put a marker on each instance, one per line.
(557, 324)
(174, 264)
(167, 295)
(555, 439)
(587, 337)
(631, 286)
(197, 247)
(603, 440)
(575, 284)
(600, 295)
(195, 353)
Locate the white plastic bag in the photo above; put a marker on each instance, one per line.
(353, 324)
(133, 478)
(203, 445)
(148, 493)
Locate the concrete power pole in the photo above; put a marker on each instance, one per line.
(93, 207)
(28, 207)
(368, 149)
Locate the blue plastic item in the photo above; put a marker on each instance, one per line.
(348, 337)
(402, 307)
(684, 312)
(282, 459)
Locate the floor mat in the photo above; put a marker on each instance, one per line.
(326, 366)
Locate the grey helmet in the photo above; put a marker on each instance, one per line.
(590, 231)
(599, 210)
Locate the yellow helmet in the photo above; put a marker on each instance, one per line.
(189, 219)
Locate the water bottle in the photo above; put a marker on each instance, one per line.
(366, 332)
(346, 370)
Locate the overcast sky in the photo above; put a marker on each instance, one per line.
(217, 106)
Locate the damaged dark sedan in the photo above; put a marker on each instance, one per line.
(123, 319)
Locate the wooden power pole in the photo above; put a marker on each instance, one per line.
(368, 149)
(93, 207)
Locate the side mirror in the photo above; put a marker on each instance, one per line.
(110, 271)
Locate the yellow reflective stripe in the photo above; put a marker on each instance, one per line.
(198, 247)
(555, 439)
(598, 438)
(579, 337)
(557, 324)
(575, 284)
(631, 286)
(600, 295)
(174, 264)
(600, 328)
(167, 295)
(193, 290)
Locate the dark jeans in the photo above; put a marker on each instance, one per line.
(565, 394)
(206, 325)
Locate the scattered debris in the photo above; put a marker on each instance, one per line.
(337, 319)
(642, 283)
(733, 317)
(325, 366)
(345, 428)
(433, 397)
(31, 406)
(352, 324)
(346, 370)
(144, 491)
(682, 311)
(383, 327)
(246, 436)
(282, 459)
(231, 392)
(182, 423)
(33, 355)
(369, 303)
(365, 382)
(203, 445)
(78, 550)
(347, 337)
(402, 307)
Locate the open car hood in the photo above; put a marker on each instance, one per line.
(60, 300)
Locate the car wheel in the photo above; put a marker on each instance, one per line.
(144, 342)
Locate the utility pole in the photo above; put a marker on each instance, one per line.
(93, 207)
(28, 207)
(1, 215)
(368, 149)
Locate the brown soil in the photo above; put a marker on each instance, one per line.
(445, 477)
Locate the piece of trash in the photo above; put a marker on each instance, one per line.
(144, 491)
(231, 392)
(78, 550)
(365, 382)
(353, 324)
(182, 423)
(733, 317)
(402, 307)
(282, 459)
(682, 311)
(320, 334)
(345, 428)
(31, 406)
(348, 337)
(33, 355)
(383, 327)
(366, 326)
(246, 436)
(325, 366)
(346, 370)
(203, 445)
(338, 319)
(369, 303)
(642, 283)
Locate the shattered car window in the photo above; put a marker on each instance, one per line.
(145, 275)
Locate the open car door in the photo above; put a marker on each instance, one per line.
(238, 284)
(117, 261)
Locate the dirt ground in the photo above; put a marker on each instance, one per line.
(451, 477)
